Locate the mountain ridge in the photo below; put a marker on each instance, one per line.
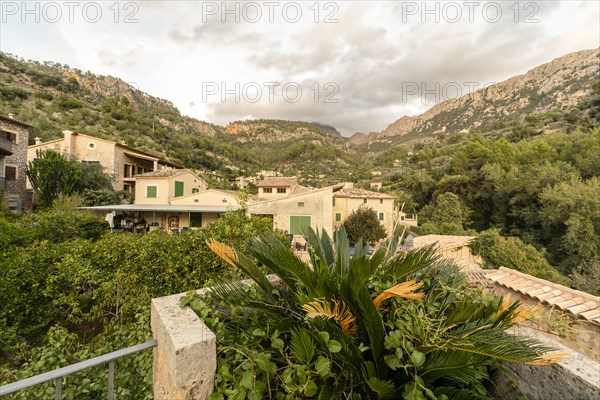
(497, 95)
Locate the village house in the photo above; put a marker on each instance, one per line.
(122, 162)
(349, 199)
(14, 137)
(178, 200)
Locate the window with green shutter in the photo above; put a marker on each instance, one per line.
(178, 189)
(298, 224)
(381, 216)
(151, 191)
(195, 220)
(338, 217)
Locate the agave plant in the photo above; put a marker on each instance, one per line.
(390, 325)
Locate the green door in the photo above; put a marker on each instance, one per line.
(195, 220)
(298, 224)
(178, 188)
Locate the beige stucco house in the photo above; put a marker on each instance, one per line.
(161, 186)
(279, 187)
(122, 162)
(348, 199)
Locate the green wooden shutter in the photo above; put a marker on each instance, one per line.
(299, 223)
(178, 188)
(151, 191)
(338, 217)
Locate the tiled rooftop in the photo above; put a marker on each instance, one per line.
(162, 173)
(578, 303)
(277, 181)
(442, 241)
(361, 193)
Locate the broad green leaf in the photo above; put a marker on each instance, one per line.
(334, 346)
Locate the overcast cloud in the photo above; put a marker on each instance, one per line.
(352, 61)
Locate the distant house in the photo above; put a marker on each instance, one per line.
(14, 137)
(300, 209)
(173, 200)
(376, 185)
(160, 187)
(124, 163)
(348, 199)
(277, 187)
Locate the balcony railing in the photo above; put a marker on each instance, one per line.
(5, 146)
(58, 374)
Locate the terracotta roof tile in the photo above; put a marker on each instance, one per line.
(581, 304)
(591, 314)
(361, 193)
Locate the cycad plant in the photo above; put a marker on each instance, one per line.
(386, 326)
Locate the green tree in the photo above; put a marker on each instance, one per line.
(447, 215)
(363, 224)
(498, 251)
(51, 174)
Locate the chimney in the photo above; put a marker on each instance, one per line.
(11, 116)
(68, 141)
(38, 140)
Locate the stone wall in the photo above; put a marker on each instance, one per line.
(184, 362)
(16, 189)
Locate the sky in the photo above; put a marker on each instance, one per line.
(355, 65)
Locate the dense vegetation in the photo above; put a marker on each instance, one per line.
(71, 291)
(389, 326)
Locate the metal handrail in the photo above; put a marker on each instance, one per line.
(58, 374)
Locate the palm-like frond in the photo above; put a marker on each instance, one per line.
(332, 309)
(492, 342)
(302, 345)
(245, 264)
(460, 394)
(226, 253)
(453, 366)
(405, 290)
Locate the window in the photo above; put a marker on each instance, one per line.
(178, 188)
(333, 202)
(338, 217)
(364, 201)
(298, 224)
(195, 220)
(381, 216)
(267, 190)
(281, 190)
(91, 145)
(380, 201)
(12, 137)
(300, 204)
(10, 173)
(195, 190)
(151, 191)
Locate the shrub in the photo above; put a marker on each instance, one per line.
(393, 325)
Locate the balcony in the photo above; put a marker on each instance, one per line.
(5, 146)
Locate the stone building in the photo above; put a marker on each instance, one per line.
(14, 137)
(124, 163)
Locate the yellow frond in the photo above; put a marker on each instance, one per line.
(406, 290)
(505, 304)
(550, 358)
(334, 309)
(227, 253)
(525, 314)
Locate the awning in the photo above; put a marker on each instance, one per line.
(161, 208)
